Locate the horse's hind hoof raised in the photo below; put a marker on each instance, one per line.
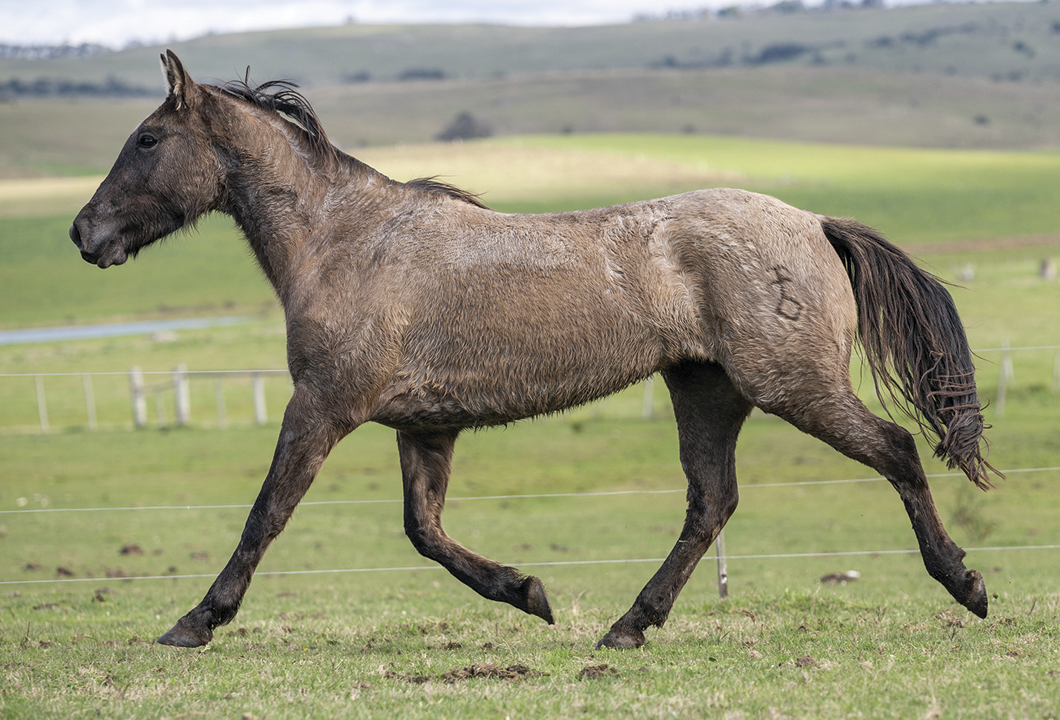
(976, 599)
(183, 635)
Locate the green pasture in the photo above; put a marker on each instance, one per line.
(358, 633)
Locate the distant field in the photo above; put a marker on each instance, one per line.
(915, 196)
(941, 75)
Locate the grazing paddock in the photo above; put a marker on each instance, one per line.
(371, 643)
(416, 643)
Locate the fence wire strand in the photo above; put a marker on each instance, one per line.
(556, 563)
(607, 493)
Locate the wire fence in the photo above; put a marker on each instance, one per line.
(171, 392)
(721, 559)
(248, 394)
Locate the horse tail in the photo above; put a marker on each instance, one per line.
(914, 344)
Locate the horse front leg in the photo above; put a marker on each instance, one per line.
(426, 460)
(710, 412)
(304, 442)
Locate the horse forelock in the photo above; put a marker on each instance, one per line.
(281, 98)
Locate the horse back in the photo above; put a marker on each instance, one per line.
(477, 318)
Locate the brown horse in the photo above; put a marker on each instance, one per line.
(414, 306)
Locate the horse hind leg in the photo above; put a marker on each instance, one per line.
(710, 412)
(426, 460)
(840, 419)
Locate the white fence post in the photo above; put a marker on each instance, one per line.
(182, 395)
(42, 405)
(258, 382)
(139, 400)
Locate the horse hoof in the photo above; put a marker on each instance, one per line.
(183, 635)
(620, 640)
(976, 600)
(537, 600)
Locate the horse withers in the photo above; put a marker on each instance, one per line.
(413, 305)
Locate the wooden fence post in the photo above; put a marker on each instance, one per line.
(219, 396)
(182, 395)
(90, 401)
(1005, 374)
(258, 382)
(139, 400)
(42, 405)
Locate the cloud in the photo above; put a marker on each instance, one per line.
(115, 23)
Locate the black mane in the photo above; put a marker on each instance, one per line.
(280, 96)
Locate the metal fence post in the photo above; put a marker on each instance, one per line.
(723, 568)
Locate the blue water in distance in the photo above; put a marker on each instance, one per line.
(91, 332)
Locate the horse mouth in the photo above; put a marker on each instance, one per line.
(106, 259)
(112, 254)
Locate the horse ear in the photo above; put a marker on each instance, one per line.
(181, 86)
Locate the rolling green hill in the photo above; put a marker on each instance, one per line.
(961, 76)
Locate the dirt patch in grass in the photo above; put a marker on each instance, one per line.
(478, 670)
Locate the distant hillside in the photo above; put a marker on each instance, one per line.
(1000, 41)
(941, 75)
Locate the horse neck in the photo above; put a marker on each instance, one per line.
(276, 187)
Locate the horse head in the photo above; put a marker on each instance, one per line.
(166, 176)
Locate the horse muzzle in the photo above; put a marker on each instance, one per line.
(100, 253)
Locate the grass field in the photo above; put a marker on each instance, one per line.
(416, 643)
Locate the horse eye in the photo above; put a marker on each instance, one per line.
(147, 141)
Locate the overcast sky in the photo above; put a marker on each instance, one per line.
(116, 23)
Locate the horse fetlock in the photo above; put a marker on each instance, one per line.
(535, 600)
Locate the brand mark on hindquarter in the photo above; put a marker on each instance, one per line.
(787, 306)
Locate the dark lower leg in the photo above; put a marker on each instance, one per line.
(710, 412)
(301, 450)
(425, 466)
(891, 451)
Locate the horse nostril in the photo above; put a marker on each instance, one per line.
(75, 235)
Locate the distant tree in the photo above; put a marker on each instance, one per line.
(464, 127)
(421, 74)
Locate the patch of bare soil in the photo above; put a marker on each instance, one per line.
(511, 673)
(592, 672)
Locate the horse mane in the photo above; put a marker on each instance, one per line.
(280, 97)
(437, 187)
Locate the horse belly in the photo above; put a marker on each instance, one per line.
(500, 367)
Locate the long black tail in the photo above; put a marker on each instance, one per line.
(914, 343)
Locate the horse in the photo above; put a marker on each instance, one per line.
(416, 306)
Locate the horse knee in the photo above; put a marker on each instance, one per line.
(429, 541)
